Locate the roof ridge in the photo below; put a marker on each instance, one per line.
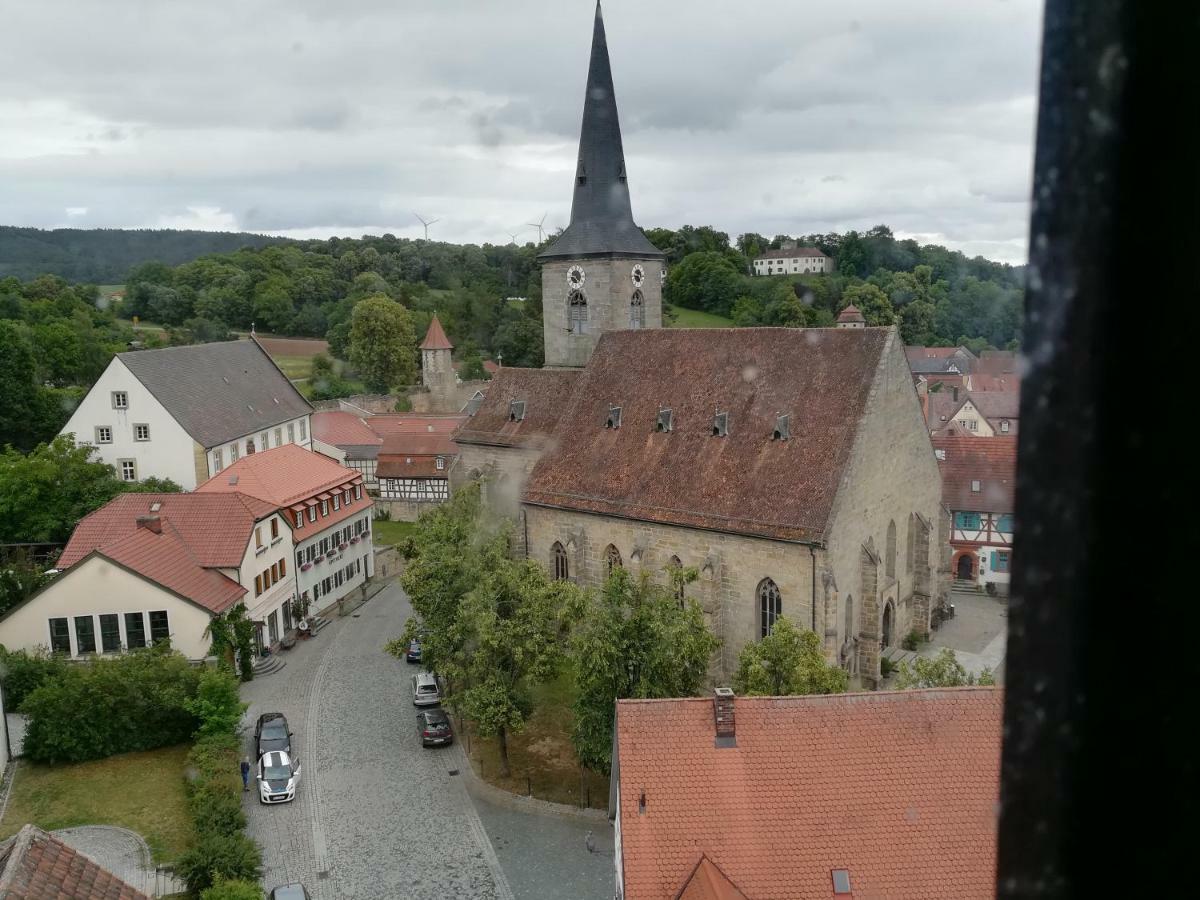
(887, 696)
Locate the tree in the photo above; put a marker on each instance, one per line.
(471, 364)
(232, 636)
(633, 640)
(25, 401)
(511, 621)
(19, 578)
(706, 280)
(383, 346)
(216, 703)
(871, 302)
(787, 661)
(203, 331)
(944, 670)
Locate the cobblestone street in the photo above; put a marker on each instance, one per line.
(377, 816)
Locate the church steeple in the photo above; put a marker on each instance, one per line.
(601, 215)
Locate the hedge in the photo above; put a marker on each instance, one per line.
(22, 672)
(233, 890)
(137, 701)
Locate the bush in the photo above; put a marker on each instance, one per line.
(233, 890)
(886, 666)
(216, 703)
(217, 857)
(911, 641)
(22, 672)
(990, 587)
(138, 701)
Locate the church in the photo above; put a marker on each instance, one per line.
(790, 467)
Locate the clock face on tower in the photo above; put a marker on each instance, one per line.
(575, 277)
(639, 275)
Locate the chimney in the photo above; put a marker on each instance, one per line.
(150, 523)
(723, 716)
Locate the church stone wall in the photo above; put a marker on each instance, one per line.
(731, 568)
(891, 474)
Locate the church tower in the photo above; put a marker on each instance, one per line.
(602, 274)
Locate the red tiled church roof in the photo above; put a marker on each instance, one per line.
(435, 337)
(745, 482)
(546, 394)
(992, 461)
(343, 429)
(35, 865)
(899, 788)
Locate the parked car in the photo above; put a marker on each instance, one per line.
(414, 651)
(433, 725)
(425, 690)
(294, 891)
(278, 775)
(272, 733)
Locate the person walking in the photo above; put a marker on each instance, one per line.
(245, 773)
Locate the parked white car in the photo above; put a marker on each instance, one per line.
(425, 690)
(278, 775)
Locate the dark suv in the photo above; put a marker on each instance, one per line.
(433, 725)
(272, 733)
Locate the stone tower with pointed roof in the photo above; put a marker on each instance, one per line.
(437, 369)
(602, 274)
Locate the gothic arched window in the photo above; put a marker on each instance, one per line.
(680, 588)
(770, 606)
(577, 313)
(637, 311)
(612, 559)
(558, 557)
(891, 550)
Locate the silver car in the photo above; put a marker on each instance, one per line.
(425, 690)
(278, 775)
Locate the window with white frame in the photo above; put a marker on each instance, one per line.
(278, 437)
(60, 636)
(324, 507)
(233, 452)
(312, 514)
(249, 446)
(141, 432)
(291, 432)
(441, 463)
(128, 469)
(976, 487)
(103, 434)
(337, 501)
(120, 400)
(218, 460)
(303, 430)
(358, 492)
(264, 440)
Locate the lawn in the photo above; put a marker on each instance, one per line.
(541, 757)
(393, 532)
(694, 318)
(143, 792)
(296, 368)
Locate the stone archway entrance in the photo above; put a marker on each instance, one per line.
(965, 567)
(889, 625)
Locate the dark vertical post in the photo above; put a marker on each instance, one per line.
(1101, 668)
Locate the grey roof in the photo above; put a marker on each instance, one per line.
(601, 216)
(943, 366)
(218, 392)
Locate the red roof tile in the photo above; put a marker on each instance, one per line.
(281, 476)
(35, 865)
(708, 882)
(545, 392)
(981, 381)
(166, 560)
(745, 482)
(992, 461)
(409, 467)
(405, 423)
(996, 404)
(851, 314)
(997, 362)
(435, 337)
(215, 528)
(343, 429)
(899, 788)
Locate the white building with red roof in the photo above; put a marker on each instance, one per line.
(145, 567)
(328, 513)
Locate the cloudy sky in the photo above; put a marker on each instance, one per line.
(320, 117)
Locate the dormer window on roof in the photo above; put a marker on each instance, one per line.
(663, 423)
(614, 417)
(783, 428)
(516, 410)
(720, 426)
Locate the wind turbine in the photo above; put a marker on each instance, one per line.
(426, 223)
(513, 235)
(538, 226)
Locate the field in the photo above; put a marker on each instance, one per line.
(392, 532)
(143, 792)
(694, 318)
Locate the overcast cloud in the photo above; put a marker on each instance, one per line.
(312, 118)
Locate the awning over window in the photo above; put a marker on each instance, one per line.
(324, 496)
(298, 507)
(310, 502)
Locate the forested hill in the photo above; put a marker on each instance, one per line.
(105, 255)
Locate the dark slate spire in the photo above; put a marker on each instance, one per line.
(601, 217)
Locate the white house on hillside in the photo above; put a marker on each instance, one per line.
(792, 260)
(185, 413)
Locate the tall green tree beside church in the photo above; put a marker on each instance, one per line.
(383, 343)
